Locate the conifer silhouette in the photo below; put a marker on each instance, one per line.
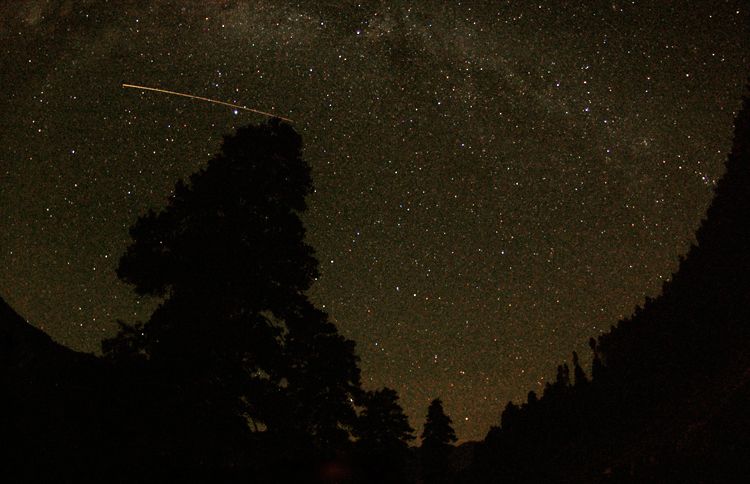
(437, 439)
(383, 434)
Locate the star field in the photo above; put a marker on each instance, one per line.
(495, 181)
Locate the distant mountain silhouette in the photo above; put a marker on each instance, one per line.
(671, 384)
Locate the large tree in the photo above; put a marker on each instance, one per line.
(235, 334)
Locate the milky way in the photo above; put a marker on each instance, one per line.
(495, 182)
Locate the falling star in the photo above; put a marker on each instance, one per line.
(200, 98)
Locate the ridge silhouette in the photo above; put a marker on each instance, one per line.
(668, 382)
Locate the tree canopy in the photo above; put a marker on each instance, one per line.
(235, 333)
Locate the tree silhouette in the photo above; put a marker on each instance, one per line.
(510, 415)
(437, 427)
(323, 379)
(579, 376)
(383, 435)
(235, 339)
(437, 439)
(596, 364)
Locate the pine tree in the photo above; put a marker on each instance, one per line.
(437, 427)
(596, 365)
(382, 423)
(579, 376)
(437, 439)
(383, 435)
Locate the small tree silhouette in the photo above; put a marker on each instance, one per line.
(383, 434)
(437, 427)
(596, 364)
(579, 375)
(437, 439)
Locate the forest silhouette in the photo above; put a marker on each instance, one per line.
(237, 377)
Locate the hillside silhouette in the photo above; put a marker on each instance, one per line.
(51, 401)
(671, 384)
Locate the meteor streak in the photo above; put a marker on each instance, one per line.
(200, 98)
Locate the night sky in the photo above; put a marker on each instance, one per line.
(495, 181)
